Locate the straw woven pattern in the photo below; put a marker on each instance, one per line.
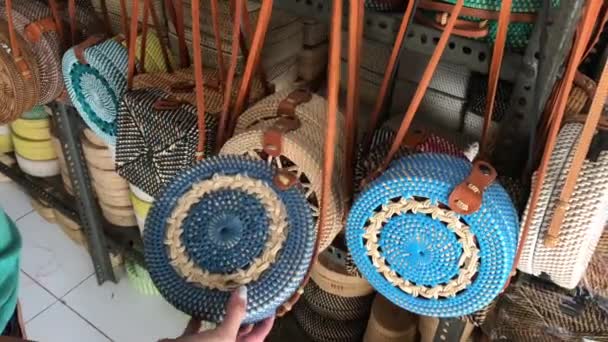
(336, 307)
(153, 146)
(17, 94)
(584, 221)
(236, 225)
(431, 250)
(46, 51)
(596, 280)
(115, 13)
(322, 329)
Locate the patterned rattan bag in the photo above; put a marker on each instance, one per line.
(565, 263)
(321, 329)
(286, 129)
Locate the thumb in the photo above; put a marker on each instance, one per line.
(236, 309)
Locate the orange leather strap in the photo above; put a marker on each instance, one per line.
(176, 14)
(132, 38)
(54, 6)
(124, 16)
(33, 31)
(422, 86)
(355, 36)
(144, 35)
(390, 66)
(598, 32)
(591, 123)
(218, 40)
(73, 21)
(559, 106)
(163, 43)
(106, 18)
(20, 62)
(463, 28)
(236, 35)
(252, 60)
(87, 43)
(476, 13)
(198, 77)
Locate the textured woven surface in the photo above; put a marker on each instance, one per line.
(397, 234)
(96, 89)
(235, 223)
(46, 51)
(389, 323)
(36, 113)
(321, 329)
(38, 168)
(534, 311)
(385, 5)
(18, 94)
(32, 149)
(565, 264)
(302, 151)
(596, 280)
(335, 307)
(32, 129)
(140, 279)
(152, 145)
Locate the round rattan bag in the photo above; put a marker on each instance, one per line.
(565, 264)
(390, 323)
(19, 92)
(301, 151)
(420, 254)
(321, 329)
(45, 47)
(222, 224)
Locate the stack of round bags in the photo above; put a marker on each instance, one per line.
(112, 190)
(301, 152)
(142, 203)
(6, 142)
(34, 151)
(334, 305)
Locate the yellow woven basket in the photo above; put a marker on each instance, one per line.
(6, 143)
(34, 150)
(140, 206)
(37, 130)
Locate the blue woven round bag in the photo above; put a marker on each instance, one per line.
(222, 224)
(96, 88)
(421, 255)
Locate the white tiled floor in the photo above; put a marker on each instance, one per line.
(59, 295)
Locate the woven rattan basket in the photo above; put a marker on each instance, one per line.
(595, 278)
(34, 150)
(390, 323)
(565, 264)
(32, 129)
(315, 32)
(97, 156)
(119, 216)
(321, 329)
(38, 168)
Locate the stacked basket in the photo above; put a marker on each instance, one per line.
(34, 150)
(6, 142)
(112, 190)
(300, 154)
(334, 306)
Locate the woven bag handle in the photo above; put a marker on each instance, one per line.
(591, 123)
(124, 20)
(252, 61)
(198, 77)
(557, 109)
(176, 14)
(54, 6)
(218, 41)
(20, 62)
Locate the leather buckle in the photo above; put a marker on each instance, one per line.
(24, 68)
(170, 103)
(80, 48)
(272, 140)
(34, 30)
(284, 179)
(183, 87)
(288, 105)
(467, 197)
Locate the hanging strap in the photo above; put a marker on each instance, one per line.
(252, 61)
(131, 43)
(144, 35)
(236, 35)
(163, 43)
(73, 21)
(33, 31)
(198, 76)
(124, 16)
(421, 89)
(176, 15)
(598, 33)
(54, 6)
(443, 7)
(463, 28)
(106, 18)
(558, 109)
(591, 123)
(20, 62)
(218, 40)
(355, 36)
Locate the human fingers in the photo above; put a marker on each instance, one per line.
(193, 327)
(235, 313)
(244, 330)
(259, 332)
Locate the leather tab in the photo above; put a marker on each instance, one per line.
(273, 136)
(169, 103)
(24, 68)
(182, 87)
(294, 99)
(80, 48)
(284, 179)
(467, 197)
(34, 30)
(415, 138)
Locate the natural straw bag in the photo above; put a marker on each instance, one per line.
(321, 329)
(34, 150)
(118, 216)
(390, 323)
(38, 130)
(452, 329)
(93, 138)
(21, 88)
(33, 20)
(38, 168)
(108, 179)
(117, 198)
(285, 129)
(595, 280)
(96, 156)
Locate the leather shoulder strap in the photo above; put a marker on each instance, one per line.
(198, 77)
(131, 43)
(22, 65)
(218, 41)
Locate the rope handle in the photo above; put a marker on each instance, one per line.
(20, 62)
(586, 136)
(557, 110)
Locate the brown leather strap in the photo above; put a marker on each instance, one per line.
(593, 118)
(586, 83)
(236, 41)
(218, 40)
(106, 18)
(463, 28)
(272, 140)
(73, 21)
(54, 6)
(33, 31)
(169, 103)
(474, 12)
(20, 62)
(252, 60)
(87, 43)
(176, 15)
(198, 77)
(131, 43)
(144, 35)
(159, 29)
(355, 36)
(582, 118)
(467, 197)
(559, 106)
(423, 85)
(124, 16)
(390, 66)
(598, 32)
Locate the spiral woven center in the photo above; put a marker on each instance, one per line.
(421, 248)
(96, 96)
(206, 266)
